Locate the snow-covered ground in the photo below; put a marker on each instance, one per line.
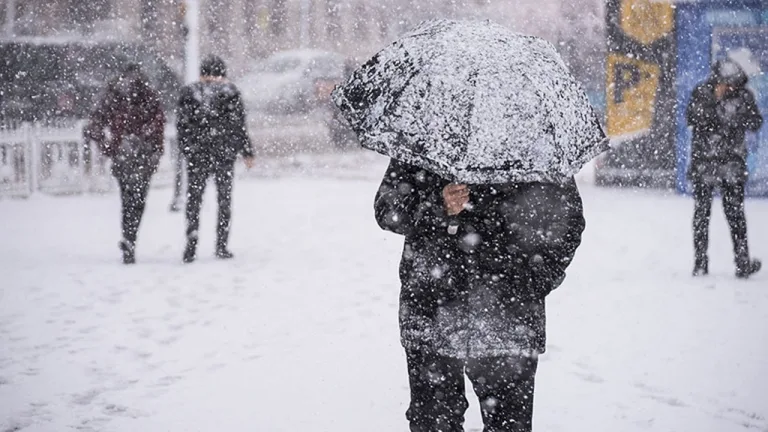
(299, 332)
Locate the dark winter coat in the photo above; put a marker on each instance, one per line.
(718, 149)
(211, 126)
(127, 109)
(479, 292)
(132, 112)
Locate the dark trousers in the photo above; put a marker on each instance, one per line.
(133, 195)
(197, 177)
(733, 204)
(503, 385)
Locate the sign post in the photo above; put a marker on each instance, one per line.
(191, 9)
(640, 103)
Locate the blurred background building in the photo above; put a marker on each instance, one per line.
(244, 30)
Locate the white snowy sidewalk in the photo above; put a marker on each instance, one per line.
(299, 331)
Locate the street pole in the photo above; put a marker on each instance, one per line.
(10, 17)
(304, 24)
(192, 42)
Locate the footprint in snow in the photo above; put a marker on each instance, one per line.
(671, 401)
(31, 371)
(169, 340)
(168, 380)
(747, 419)
(15, 426)
(646, 387)
(590, 377)
(87, 397)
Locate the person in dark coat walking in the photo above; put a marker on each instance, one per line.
(721, 111)
(476, 268)
(212, 132)
(131, 110)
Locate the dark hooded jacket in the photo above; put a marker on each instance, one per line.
(211, 123)
(479, 292)
(129, 107)
(718, 149)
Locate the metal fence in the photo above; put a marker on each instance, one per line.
(56, 159)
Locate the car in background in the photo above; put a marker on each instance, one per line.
(340, 133)
(47, 80)
(292, 82)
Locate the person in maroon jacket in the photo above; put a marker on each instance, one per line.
(132, 113)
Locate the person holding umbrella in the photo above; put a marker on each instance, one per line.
(485, 129)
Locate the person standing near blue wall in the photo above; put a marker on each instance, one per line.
(721, 110)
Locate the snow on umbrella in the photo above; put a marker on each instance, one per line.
(475, 103)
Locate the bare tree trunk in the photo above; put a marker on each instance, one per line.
(278, 17)
(333, 11)
(304, 23)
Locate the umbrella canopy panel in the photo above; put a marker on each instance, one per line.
(475, 103)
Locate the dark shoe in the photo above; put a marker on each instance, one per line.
(701, 268)
(129, 251)
(190, 252)
(746, 270)
(223, 253)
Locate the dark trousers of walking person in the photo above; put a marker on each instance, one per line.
(503, 385)
(733, 204)
(197, 177)
(133, 197)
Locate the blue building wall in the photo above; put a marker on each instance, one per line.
(695, 24)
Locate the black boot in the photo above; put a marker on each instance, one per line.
(701, 268)
(129, 251)
(190, 252)
(223, 253)
(747, 268)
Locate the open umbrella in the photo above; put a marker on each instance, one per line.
(474, 103)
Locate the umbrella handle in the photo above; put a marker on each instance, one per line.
(453, 225)
(453, 221)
